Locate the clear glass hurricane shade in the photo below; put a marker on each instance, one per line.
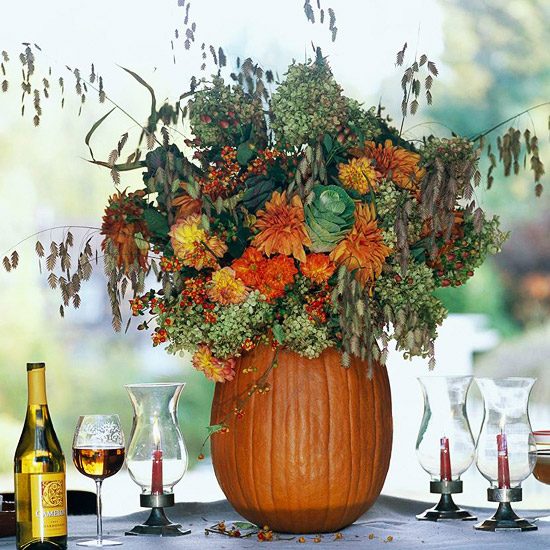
(506, 412)
(155, 427)
(445, 416)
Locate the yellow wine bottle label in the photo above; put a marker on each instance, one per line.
(48, 503)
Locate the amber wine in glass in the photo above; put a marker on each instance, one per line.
(542, 467)
(98, 453)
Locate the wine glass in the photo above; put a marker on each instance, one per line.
(542, 467)
(98, 452)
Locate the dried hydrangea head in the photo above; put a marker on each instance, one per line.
(307, 104)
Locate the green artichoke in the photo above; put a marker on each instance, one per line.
(329, 217)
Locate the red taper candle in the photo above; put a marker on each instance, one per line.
(156, 473)
(503, 465)
(445, 460)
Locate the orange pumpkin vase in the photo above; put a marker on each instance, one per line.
(310, 455)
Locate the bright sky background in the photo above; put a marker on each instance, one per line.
(137, 34)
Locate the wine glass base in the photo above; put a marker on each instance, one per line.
(98, 543)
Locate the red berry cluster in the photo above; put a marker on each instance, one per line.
(455, 267)
(195, 293)
(223, 177)
(170, 265)
(317, 305)
(248, 344)
(265, 159)
(141, 303)
(159, 336)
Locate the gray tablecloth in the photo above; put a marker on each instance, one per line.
(389, 516)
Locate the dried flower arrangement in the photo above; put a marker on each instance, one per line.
(296, 217)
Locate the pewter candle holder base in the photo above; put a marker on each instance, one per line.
(445, 508)
(505, 519)
(157, 523)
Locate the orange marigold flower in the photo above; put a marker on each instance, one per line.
(358, 174)
(318, 267)
(193, 245)
(363, 249)
(213, 368)
(249, 267)
(395, 163)
(225, 288)
(129, 237)
(278, 273)
(282, 229)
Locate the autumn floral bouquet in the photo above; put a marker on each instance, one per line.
(297, 218)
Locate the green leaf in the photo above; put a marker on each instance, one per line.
(141, 243)
(153, 116)
(278, 332)
(176, 183)
(93, 129)
(328, 142)
(244, 525)
(156, 222)
(245, 153)
(214, 428)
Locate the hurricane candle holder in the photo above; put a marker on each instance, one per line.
(445, 445)
(506, 450)
(156, 457)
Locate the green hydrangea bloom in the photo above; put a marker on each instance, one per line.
(307, 104)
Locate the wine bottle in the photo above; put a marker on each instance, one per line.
(39, 466)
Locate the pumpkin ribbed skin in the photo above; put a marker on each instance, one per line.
(312, 454)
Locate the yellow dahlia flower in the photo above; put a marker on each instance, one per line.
(193, 246)
(225, 288)
(358, 174)
(213, 368)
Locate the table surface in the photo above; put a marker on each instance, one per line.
(389, 516)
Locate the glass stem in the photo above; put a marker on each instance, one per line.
(98, 483)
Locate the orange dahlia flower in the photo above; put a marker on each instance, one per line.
(395, 163)
(318, 268)
(250, 266)
(282, 229)
(358, 174)
(278, 273)
(122, 233)
(213, 368)
(225, 288)
(363, 249)
(192, 244)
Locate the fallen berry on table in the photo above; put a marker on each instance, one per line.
(371, 536)
(301, 539)
(338, 536)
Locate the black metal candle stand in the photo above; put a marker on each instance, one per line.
(445, 508)
(157, 523)
(505, 519)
